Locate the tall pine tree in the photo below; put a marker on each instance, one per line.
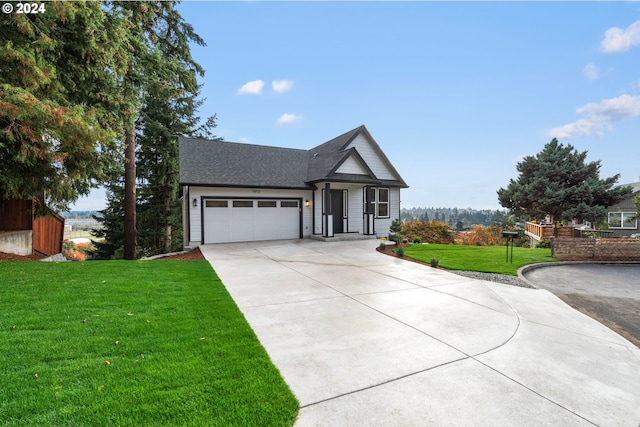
(167, 109)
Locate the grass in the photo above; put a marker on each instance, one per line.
(120, 343)
(486, 259)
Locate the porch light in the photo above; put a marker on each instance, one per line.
(307, 203)
(195, 202)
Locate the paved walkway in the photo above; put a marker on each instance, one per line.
(364, 339)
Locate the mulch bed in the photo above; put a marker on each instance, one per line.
(192, 255)
(13, 257)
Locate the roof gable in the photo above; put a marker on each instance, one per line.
(353, 163)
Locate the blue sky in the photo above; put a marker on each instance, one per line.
(455, 93)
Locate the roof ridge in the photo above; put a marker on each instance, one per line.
(221, 141)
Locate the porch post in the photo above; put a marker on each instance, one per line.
(368, 215)
(327, 216)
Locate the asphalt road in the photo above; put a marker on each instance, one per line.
(609, 293)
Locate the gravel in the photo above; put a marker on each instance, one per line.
(492, 277)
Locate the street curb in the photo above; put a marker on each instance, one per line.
(526, 268)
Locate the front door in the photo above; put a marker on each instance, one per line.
(337, 209)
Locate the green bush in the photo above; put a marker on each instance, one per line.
(399, 252)
(544, 243)
(417, 240)
(383, 246)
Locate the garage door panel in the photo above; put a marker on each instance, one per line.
(243, 220)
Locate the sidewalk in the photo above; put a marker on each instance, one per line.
(364, 339)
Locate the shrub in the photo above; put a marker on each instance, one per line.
(399, 252)
(434, 262)
(396, 231)
(71, 251)
(481, 236)
(544, 243)
(428, 231)
(417, 240)
(383, 246)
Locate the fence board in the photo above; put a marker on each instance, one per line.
(15, 215)
(48, 232)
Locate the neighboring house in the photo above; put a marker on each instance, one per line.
(28, 227)
(623, 216)
(241, 192)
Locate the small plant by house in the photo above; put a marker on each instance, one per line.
(396, 231)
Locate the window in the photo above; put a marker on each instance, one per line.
(623, 220)
(379, 202)
(216, 204)
(266, 203)
(289, 204)
(243, 203)
(382, 210)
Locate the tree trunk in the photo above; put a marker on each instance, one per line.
(167, 220)
(130, 232)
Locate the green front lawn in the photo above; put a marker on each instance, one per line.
(120, 343)
(486, 259)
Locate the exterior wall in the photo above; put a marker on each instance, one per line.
(352, 166)
(587, 249)
(382, 225)
(356, 208)
(195, 213)
(625, 206)
(371, 157)
(17, 242)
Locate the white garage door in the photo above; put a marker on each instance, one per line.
(242, 220)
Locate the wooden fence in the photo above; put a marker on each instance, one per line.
(48, 229)
(48, 232)
(16, 215)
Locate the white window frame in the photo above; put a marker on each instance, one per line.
(376, 202)
(620, 219)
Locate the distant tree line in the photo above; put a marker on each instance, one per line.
(458, 218)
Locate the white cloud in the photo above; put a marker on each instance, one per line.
(251, 88)
(621, 40)
(288, 119)
(281, 86)
(591, 71)
(597, 117)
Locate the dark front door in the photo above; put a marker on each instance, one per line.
(336, 210)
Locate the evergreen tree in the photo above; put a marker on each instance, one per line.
(167, 109)
(109, 237)
(558, 182)
(60, 103)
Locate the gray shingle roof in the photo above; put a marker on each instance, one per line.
(241, 165)
(206, 162)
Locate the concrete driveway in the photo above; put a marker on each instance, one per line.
(364, 339)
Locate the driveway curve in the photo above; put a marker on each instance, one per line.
(364, 339)
(609, 293)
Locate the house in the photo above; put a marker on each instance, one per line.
(236, 192)
(622, 217)
(29, 227)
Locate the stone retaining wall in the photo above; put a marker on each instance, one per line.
(588, 249)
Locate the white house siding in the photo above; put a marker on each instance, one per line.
(372, 158)
(382, 225)
(352, 166)
(195, 219)
(356, 208)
